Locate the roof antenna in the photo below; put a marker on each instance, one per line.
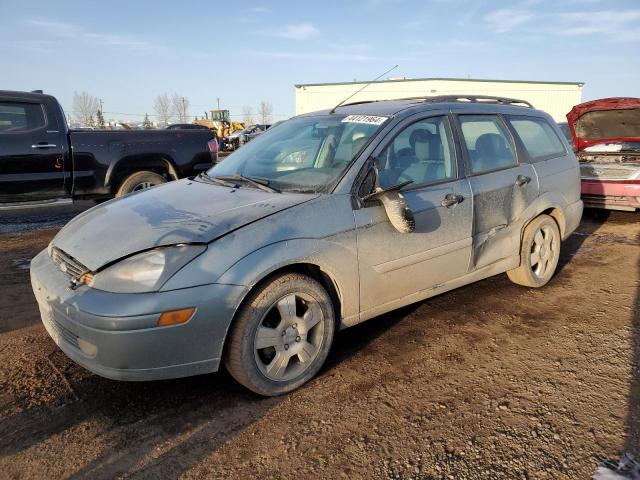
(333, 110)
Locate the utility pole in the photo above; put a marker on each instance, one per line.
(218, 103)
(101, 110)
(184, 110)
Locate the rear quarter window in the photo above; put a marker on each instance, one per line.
(538, 138)
(18, 117)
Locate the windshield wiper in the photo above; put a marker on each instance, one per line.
(258, 183)
(216, 180)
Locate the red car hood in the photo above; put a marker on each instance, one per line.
(608, 120)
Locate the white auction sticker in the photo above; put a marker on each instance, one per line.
(368, 119)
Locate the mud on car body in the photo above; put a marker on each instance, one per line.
(328, 220)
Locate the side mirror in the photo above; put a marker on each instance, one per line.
(394, 203)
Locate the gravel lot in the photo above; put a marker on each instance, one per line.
(489, 381)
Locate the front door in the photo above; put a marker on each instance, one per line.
(503, 188)
(395, 268)
(31, 156)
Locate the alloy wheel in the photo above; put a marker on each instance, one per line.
(289, 337)
(543, 251)
(142, 186)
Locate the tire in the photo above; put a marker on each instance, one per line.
(539, 253)
(139, 181)
(281, 336)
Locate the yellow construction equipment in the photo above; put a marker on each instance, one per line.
(219, 121)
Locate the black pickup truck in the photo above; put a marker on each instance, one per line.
(42, 160)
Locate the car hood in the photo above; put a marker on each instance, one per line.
(185, 211)
(608, 120)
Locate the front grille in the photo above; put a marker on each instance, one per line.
(67, 264)
(58, 330)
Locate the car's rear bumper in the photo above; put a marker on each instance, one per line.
(572, 215)
(116, 335)
(611, 194)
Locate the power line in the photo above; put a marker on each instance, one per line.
(188, 116)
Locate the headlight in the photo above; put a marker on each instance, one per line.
(146, 271)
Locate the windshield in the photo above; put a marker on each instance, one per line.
(306, 154)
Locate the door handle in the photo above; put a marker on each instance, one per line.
(43, 145)
(522, 180)
(451, 199)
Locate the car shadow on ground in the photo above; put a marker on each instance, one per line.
(592, 220)
(144, 415)
(217, 416)
(194, 416)
(632, 444)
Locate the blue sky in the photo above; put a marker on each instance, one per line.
(128, 52)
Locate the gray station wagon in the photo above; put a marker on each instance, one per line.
(322, 222)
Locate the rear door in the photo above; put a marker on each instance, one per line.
(32, 151)
(503, 186)
(554, 164)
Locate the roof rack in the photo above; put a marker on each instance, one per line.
(477, 99)
(452, 98)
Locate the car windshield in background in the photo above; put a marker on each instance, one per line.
(306, 154)
(564, 128)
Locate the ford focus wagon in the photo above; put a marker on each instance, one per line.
(322, 222)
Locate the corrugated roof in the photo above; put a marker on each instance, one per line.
(439, 78)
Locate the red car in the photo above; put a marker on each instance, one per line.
(606, 137)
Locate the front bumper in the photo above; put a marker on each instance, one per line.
(116, 335)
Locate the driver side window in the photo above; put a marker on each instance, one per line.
(423, 152)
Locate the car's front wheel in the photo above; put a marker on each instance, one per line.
(539, 253)
(281, 336)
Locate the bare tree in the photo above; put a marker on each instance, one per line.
(247, 115)
(162, 107)
(100, 119)
(264, 112)
(180, 107)
(84, 107)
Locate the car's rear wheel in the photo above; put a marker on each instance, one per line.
(139, 181)
(281, 336)
(539, 253)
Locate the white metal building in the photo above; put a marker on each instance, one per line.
(555, 98)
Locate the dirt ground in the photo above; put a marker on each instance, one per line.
(488, 381)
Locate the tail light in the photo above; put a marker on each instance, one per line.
(213, 145)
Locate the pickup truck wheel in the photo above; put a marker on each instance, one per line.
(539, 253)
(281, 336)
(139, 181)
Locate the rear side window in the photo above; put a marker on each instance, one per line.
(488, 143)
(20, 117)
(538, 137)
